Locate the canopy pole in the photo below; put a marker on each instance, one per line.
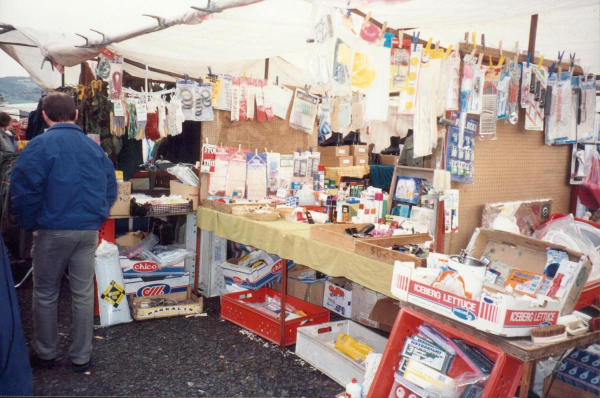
(146, 83)
(532, 35)
(266, 68)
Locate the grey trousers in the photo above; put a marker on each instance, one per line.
(52, 252)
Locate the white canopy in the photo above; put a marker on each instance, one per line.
(239, 40)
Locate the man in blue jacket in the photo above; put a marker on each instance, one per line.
(62, 186)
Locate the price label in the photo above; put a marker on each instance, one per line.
(118, 108)
(142, 112)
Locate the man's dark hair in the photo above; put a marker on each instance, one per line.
(5, 119)
(59, 107)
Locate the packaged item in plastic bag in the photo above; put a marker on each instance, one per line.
(525, 215)
(185, 174)
(135, 250)
(564, 232)
(112, 299)
(167, 256)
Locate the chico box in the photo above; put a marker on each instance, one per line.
(138, 268)
(157, 286)
(498, 312)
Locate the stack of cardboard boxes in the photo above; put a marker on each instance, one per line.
(344, 156)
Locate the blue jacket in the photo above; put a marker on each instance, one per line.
(63, 181)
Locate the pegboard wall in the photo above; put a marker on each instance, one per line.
(276, 136)
(517, 166)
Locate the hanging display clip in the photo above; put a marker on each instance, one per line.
(528, 59)
(572, 57)
(415, 40)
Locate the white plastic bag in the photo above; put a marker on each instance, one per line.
(112, 300)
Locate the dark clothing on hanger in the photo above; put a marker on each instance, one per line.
(36, 124)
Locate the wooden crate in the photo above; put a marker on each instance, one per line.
(228, 207)
(377, 249)
(335, 235)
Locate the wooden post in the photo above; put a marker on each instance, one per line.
(532, 35)
(266, 68)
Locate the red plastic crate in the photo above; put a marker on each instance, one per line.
(502, 382)
(235, 308)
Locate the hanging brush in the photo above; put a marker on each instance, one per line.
(548, 334)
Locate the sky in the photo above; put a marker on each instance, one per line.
(10, 67)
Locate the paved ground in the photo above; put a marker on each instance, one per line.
(193, 357)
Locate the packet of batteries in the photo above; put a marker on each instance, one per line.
(428, 353)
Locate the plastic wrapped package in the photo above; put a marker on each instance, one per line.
(468, 380)
(112, 300)
(526, 215)
(564, 232)
(167, 256)
(185, 174)
(135, 250)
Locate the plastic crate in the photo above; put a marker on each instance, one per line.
(316, 346)
(236, 309)
(502, 382)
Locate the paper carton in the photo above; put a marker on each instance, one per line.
(338, 298)
(299, 288)
(498, 312)
(186, 191)
(143, 287)
(337, 161)
(373, 309)
(253, 278)
(333, 151)
(356, 150)
(140, 312)
(139, 268)
(361, 160)
(121, 205)
(131, 238)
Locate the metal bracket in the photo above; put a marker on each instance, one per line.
(211, 9)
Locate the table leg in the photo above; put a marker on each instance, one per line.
(197, 263)
(283, 297)
(526, 379)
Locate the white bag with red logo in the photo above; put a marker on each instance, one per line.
(112, 299)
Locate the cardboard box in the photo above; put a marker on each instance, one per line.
(389, 160)
(144, 287)
(356, 150)
(186, 191)
(121, 205)
(581, 369)
(338, 298)
(131, 238)
(361, 160)
(497, 312)
(309, 292)
(334, 151)
(365, 308)
(337, 161)
(252, 278)
(139, 268)
(140, 313)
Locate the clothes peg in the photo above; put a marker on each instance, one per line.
(400, 37)
(500, 47)
(491, 62)
(437, 45)
(415, 40)
(572, 57)
(366, 21)
(516, 60)
(240, 147)
(383, 29)
(541, 60)
(244, 76)
(266, 150)
(474, 38)
(501, 62)
(206, 139)
(428, 46)
(307, 88)
(467, 37)
(472, 57)
(277, 80)
(185, 77)
(551, 70)
(255, 151)
(528, 59)
(449, 51)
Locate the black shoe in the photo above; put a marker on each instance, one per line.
(394, 148)
(36, 362)
(335, 140)
(353, 138)
(80, 368)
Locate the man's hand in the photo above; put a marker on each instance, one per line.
(35, 233)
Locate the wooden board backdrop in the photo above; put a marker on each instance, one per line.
(276, 136)
(517, 166)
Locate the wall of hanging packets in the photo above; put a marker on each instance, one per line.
(352, 55)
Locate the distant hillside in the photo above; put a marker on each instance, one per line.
(19, 89)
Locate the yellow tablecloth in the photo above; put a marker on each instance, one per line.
(291, 241)
(336, 173)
